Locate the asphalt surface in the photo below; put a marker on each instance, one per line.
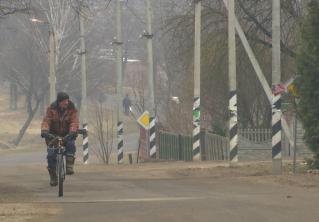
(39, 156)
(157, 192)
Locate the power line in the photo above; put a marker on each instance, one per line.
(107, 4)
(134, 13)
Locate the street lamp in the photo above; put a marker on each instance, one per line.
(52, 58)
(176, 99)
(35, 20)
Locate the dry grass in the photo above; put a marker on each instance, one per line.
(20, 212)
(12, 121)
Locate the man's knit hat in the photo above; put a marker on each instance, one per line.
(62, 96)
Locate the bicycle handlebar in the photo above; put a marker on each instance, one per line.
(54, 137)
(82, 131)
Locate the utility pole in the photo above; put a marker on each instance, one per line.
(119, 86)
(196, 105)
(52, 77)
(233, 136)
(276, 99)
(149, 37)
(252, 58)
(84, 93)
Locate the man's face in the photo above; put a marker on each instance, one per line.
(64, 103)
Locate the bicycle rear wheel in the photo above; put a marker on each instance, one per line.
(60, 173)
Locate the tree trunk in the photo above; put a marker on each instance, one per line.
(27, 123)
(13, 96)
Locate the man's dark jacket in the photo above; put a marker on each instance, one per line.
(60, 123)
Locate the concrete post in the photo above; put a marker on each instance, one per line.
(119, 85)
(196, 104)
(84, 93)
(233, 136)
(149, 39)
(276, 99)
(52, 63)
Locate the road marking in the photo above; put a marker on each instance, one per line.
(155, 199)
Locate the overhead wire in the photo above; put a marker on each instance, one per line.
(131, 10)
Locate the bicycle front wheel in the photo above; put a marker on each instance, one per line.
(60, 173)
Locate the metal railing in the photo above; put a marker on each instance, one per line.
(179, 147)
(214, 147)
(256, 135)
(253, 144)
(175, 147)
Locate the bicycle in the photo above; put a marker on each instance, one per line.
(60, 158)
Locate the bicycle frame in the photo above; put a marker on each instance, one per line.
(60, 162)
(60, 166)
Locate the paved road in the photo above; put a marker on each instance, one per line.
(159, 192)
(39, 156)
(22, 159)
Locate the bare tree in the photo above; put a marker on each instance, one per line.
(25, 66)
(103, 132)
(175, 34)
(8, 7)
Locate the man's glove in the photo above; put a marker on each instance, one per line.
(45, 134)
(72, 135)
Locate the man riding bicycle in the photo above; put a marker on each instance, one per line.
(60, 120)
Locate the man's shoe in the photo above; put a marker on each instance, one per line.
(53, 177)
(69, 164)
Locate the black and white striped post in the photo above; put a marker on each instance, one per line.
(196, 129)
(85, 144)
(120, 154)
(233, 118)
(276, 130)
(152, 137)
(233, 128)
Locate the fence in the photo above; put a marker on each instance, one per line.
(179, 147)
(175, 147)
(254, 144)
(214, 147)
(256, 135)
